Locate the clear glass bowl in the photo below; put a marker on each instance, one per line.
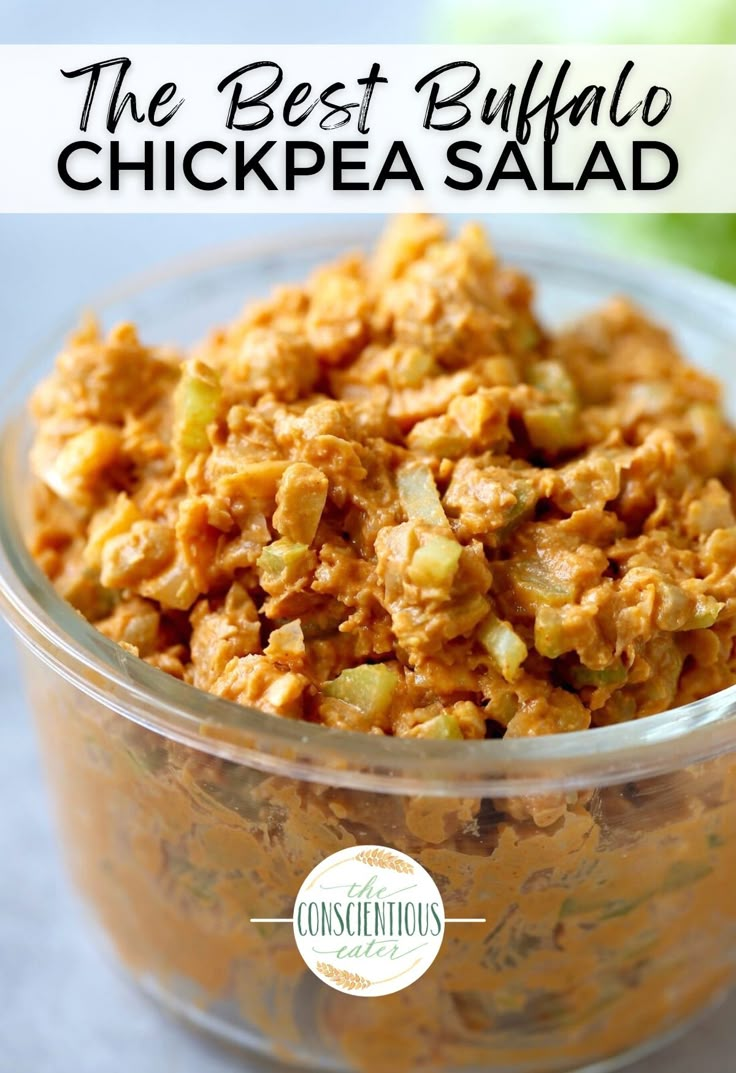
(603, 861)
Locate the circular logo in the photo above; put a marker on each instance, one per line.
(369, 920)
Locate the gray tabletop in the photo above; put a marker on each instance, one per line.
(63, 1006)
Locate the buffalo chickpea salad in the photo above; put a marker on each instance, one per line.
(390, 500)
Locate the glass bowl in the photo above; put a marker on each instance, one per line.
(604, 861)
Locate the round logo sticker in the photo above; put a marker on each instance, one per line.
(369, 920)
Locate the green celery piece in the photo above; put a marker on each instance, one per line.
(196, 405)
(552, 426)
(581, 676)
(604, 909)
(370, 688)
(680, 874)
(683, 873)
(537, 585)
(707, 610)
(444, 727)
(503, 644)
(526, 500)
(435, 563)
(419, 496)
(280, 557)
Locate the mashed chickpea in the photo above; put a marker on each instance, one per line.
(388, 500)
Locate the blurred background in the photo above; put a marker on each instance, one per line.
(56, 260)
(61, 1008)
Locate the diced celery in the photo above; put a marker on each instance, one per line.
(614, 675)
(503, 644)
(435, 563)
(196, 404)
(553, 379)
(419, 496)
(552, 426)
(370, 688)
(621, 707)
(526, 498)
(442, 727)
(280, 558)
(323, 621)
(683, 873)
(602, 908)
(707, 610)
(535, 585)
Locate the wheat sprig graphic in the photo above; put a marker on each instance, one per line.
(377, 856)
(383, 858)
(348, 981)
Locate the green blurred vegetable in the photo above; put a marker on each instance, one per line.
(442, 727)
(281, 560)
(703, 241)
(435, 563)
(419, 496)
(369, 688)
(196, 404)
(504, 645)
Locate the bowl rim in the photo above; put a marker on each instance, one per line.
(102, 670)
